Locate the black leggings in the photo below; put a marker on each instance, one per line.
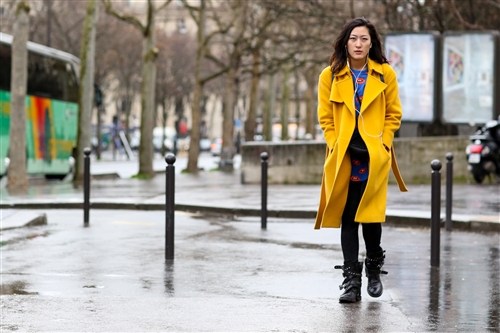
(372, 232)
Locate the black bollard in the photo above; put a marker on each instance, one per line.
(449, 189)
(435, 212)
(86, 185)
(169, 207)
(263, 213)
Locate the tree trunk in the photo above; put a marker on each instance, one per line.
(17, 177)
(164, 125)
(297, 105)
(231, 94)
(99, 134)
(310, 76)
(269, 108)
(86, 91)
(285, 103)
(150, 52)
(226, 157)
(251, 123)
(194, 146)
(194, 149)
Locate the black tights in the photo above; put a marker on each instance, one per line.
(372, 232)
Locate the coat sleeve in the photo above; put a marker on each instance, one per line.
(325, 110)
(394, 110)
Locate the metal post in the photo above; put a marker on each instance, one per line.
(86, 185)
(263, 213)
(449, 189)
(435, 212)
(169, 207)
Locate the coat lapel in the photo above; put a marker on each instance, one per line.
(374, 86)
(344, 90)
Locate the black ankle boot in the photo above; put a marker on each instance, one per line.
(352, 282)
(374, 263)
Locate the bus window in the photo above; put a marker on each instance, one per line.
(51, 78)
(5, 68)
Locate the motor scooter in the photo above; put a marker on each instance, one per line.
(483, 154)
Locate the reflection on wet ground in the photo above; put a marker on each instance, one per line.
(15, 288)
(463, 293)
(169, 278)
(229, 271)
(494, 301)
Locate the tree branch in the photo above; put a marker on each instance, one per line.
(493, 3)
(123, 17)
(210, 56)
(192, 11)
(165, 4)
(461, 19)
(214, 75)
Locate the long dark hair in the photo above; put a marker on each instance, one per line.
(338, 59)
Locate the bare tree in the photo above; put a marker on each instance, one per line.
(175, 72)
(149, 54)
(86, 91)
(444, 15)
(199, 15)
(260, 23)
(58, 24)
(236, 47)
(124, 60)
(18, 179)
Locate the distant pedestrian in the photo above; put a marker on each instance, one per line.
(359, 110)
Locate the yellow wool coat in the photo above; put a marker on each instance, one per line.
(380, 117)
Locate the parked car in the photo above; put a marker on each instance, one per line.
(205, 144)
(216, 147)
(135, 139)
(169, 138)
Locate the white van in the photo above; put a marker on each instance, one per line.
(169, 138)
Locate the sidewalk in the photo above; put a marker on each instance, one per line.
(230, 276)
(475, 207)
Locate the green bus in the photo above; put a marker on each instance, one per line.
(51, 109)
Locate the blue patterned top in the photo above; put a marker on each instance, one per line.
(359, 170)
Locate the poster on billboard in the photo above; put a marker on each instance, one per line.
(413, 58)
(468, 78)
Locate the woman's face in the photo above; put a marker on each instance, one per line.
(359, 43)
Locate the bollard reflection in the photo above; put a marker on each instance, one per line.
(168, 280)
(448, 276)
(448, 279)
(494, 301)
(433, 308)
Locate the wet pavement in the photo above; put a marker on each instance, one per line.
(475, 207)
(228, 275)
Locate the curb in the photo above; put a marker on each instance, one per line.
(39, 219)
(461, 224)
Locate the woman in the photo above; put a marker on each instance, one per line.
(358, 102)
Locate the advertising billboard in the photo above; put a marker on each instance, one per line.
(413, 57)
(468, 77)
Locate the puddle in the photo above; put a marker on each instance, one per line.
(15, 288)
